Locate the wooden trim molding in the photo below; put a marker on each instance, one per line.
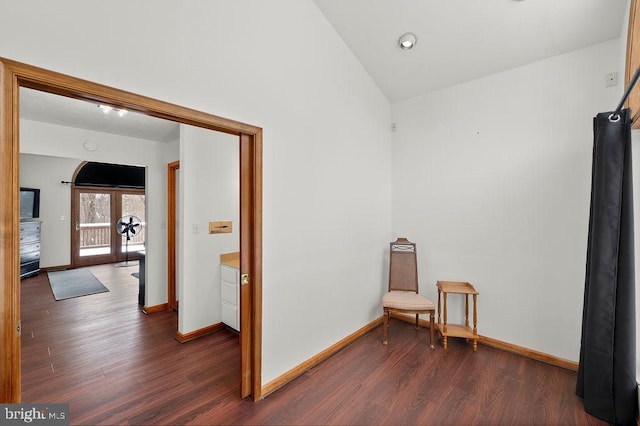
(155, 308)
(10, 380)
(312, 362)
(55, 268)
(14, 75)
(182, 338)
(171, 234)
(515, 349)
(250, 250)
(528, 353)
(633, 62)
(292, 374)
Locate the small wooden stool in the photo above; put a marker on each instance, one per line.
(454, 330)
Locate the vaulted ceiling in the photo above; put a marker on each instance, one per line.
(458, 41)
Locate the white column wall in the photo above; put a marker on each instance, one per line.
(210, 191)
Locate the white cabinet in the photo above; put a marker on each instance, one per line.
(230, 295)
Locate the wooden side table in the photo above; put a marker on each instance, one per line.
(455, 330)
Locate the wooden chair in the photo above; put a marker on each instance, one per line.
(403, 296)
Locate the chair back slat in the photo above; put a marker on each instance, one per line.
(403, 267)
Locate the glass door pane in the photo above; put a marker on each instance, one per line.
(94, 224)
(133, 205)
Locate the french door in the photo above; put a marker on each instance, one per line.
(95, 215)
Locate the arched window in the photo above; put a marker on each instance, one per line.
(109, 175)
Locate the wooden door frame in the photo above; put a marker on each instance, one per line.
(14, 75)
(171, 234)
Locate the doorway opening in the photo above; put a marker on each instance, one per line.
(104, 194)
(15, 75)
(172, 226)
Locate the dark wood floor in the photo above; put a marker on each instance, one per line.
(115, 365)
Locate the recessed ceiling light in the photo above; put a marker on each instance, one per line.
(107, 109)
(407, 41)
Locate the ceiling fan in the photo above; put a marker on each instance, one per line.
(128, 226)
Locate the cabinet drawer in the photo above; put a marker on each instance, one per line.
(29, 231)
(230, 316)
(29, 247)
(29, 256)
(227, 273)
(31, 268)
(229, 292)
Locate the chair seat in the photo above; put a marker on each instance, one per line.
(407, 300)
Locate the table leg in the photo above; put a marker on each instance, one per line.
(444, 326)
(475, 315)
(439, 310)
(475, 322)
(466, 310)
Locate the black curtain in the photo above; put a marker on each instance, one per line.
(606, 374)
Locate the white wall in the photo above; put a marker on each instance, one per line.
(210, 191)
(51, 140)
(492, 179)
(326, 181)
(55, 203)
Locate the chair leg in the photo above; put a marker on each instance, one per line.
(385, 326)
(417, 319)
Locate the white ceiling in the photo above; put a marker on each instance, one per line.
(462, 40)
(41, 106)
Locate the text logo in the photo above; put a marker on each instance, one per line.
(34, 414)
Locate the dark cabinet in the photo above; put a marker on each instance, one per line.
(141, 277)
(29, 248)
